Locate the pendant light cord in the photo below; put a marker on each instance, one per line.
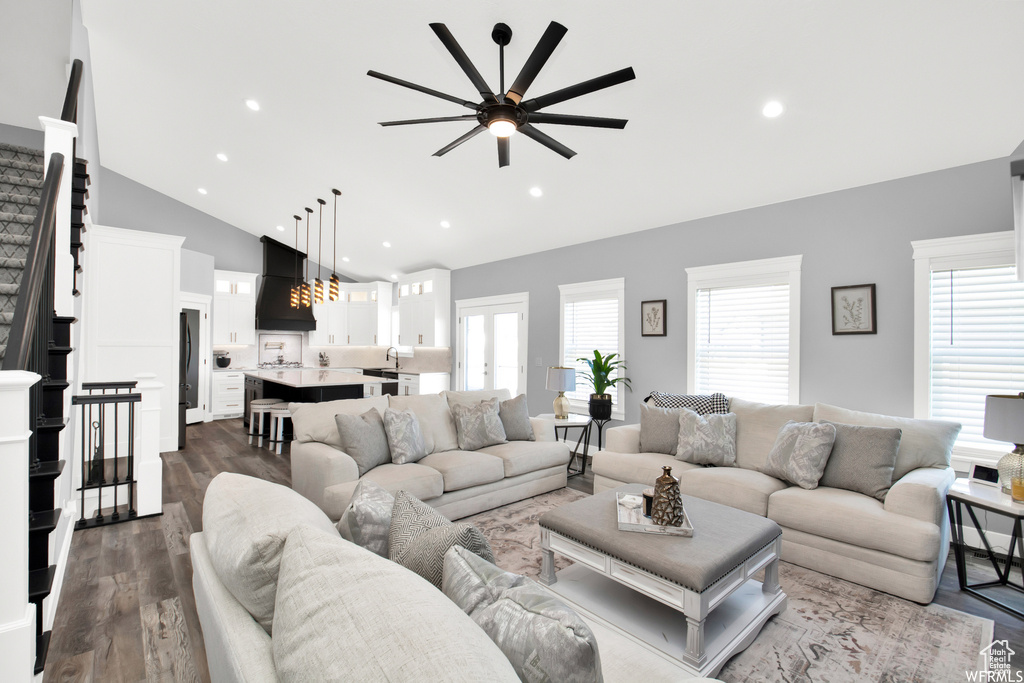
(334, 265)
(309, 212)
(320, 248)
(295, 270)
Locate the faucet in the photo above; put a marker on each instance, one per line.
(388, 356)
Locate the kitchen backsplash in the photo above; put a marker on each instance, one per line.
(423, 360)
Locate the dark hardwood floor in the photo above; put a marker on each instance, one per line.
(127, 612)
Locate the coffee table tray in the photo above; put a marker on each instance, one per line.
(631, 518)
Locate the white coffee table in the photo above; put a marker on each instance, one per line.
(691, 600)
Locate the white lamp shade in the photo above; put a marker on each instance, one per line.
(1004, 418)
(561, 379)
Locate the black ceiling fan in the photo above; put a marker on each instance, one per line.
(505, 113)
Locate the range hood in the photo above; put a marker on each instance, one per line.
(273, 304)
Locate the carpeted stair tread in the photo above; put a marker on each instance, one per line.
(6, 317)
(8, 217)
(21, 240)
(14, 198)
(8, 262)
(9, 288)
(22, 165)
(18, 149)
(18, 181)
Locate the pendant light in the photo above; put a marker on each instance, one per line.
(306, 294)
(335, 280)
(318, 284)
(296, 293)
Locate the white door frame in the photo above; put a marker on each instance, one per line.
(201, 303)
(519, 299)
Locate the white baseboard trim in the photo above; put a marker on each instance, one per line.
(1000, 542)
(50, 604)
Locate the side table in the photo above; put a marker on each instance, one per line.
(971, 495)
(574, 421)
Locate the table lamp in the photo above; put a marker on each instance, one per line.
(1004, 421)
(561, 380)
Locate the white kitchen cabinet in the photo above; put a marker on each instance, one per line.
(361, 317)
(424, 308)
(331, 324)
(234, 308)
(424, 383)
(228, 395)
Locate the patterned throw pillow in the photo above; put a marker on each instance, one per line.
(367, 519)
(801, 452)
(478, 426)
(706, 439)
(364, 439)
(420, 536)
(405, 438)
(700, 404)
(515, 418)
(472, 582)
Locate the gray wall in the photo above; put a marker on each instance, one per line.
(23, 137)
(196, 272)
(850, 237)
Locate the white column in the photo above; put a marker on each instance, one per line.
(60, 138)
(148, 466)
(17, 615)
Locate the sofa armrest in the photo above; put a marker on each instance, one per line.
(315, 466)
(543, 430)
(623, 439)
(921, 494)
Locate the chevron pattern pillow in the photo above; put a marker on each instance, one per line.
(420, 536)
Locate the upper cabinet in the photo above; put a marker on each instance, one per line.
(424, 308)
(361, 316)
(234, 308)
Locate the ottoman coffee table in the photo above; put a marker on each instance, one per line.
(689, 599)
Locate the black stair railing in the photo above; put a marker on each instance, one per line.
(70, 110)
(104, 464)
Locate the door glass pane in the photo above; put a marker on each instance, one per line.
(359, 296)
(475, 341)
(506, 352)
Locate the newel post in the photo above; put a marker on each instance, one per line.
(148, 465)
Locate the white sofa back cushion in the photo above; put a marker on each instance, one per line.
(472, 398)
(315, 421)
(925, 443)
(436, 421)
(757, 425)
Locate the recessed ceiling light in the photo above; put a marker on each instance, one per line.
(394, 277)
(345, 259)
(281, 228)
(772, 109)
(387, 245)
(222, 156)
(202, 190)
(253, 104)
(536, 191)
(445, 224)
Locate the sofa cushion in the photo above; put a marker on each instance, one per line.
(246, 522)
(472, 582)
(733, 486)
(421, 481)
(515, 418)
(800, 452)
(479, 425)
(315, 421)
(862, 459)
(706, 439)
(336, 599)
(364, 439)
(659, 429)
(435, 419)
(637, 468)
(856, 519)
(523, 457)
(461, 469)
(471, 398)
(405, 437)
(757, 425)
(925, 443)
(367, 520)
(701, 404)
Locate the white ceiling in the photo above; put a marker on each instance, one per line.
(873, 90)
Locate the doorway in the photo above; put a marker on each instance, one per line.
(195, 356)
(491, 343)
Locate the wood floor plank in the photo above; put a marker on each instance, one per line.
(119, 631)
(166, 640)
(176, 528)
(77, 669)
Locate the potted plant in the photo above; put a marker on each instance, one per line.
(601, 369)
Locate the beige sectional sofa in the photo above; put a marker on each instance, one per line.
(457, 483)
(898, 545)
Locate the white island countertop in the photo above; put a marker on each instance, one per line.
(299, 377)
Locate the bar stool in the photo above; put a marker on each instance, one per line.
(258, 407)
(278, 414)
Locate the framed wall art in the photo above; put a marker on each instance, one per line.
(853, 310)
(652, 318)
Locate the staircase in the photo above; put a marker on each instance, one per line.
(21, 179)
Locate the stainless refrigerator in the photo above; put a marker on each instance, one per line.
(188, 368)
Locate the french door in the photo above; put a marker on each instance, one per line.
(491, 344)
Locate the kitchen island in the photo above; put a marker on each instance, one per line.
(305, 385)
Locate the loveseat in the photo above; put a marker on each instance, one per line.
(896, 542)
(455, 482)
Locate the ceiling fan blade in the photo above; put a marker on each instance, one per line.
(422, 89)
(545, 46)
(460, 56)
(584, 88)
(467, 117)
(502, 152)
(452, 145)
(573, 120)
(546, 140)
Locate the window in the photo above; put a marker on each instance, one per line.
(592, 318)
(968, 334)
(744, 329)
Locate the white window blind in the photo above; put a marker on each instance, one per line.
(592, 319)
(742, 342)
(977, 345)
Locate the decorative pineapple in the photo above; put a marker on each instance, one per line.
(667, 509)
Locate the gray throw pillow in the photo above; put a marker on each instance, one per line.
(405, 438)
(367, 519)
(702, 404)
(420, 536)
(800, 452)
(364, 439)
(472, 583)
(659, 429)
(515, 418)
(478, 426)
(862, 459)
(706, 439)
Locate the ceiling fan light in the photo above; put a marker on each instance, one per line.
(501, 128)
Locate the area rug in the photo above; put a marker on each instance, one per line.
(831, 631)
